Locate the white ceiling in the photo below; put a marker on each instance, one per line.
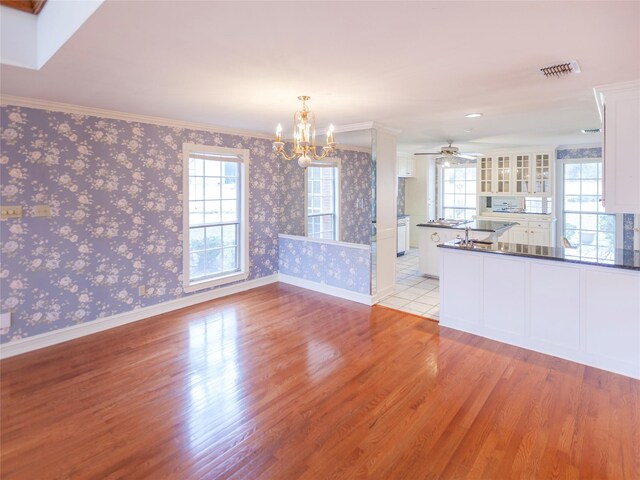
(413, 66)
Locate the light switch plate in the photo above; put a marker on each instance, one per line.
(5, 320)
(41, 211)
(10, 211)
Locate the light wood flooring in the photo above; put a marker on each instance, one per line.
(284, 383)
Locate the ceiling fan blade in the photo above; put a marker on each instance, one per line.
(428, 153)
(466, 156)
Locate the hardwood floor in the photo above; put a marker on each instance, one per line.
(283, 383)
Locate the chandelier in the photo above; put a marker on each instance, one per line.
(304, 137)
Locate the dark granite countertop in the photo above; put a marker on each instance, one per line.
(625, 259)
(476, 226)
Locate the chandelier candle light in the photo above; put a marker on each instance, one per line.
(304, 137)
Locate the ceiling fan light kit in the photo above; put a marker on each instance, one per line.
(450, 152)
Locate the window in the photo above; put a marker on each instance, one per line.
(591, 231)
(215, 216)
(458, 200)
(323, 200)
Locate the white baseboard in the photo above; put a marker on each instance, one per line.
(76, 331)
(326, 289)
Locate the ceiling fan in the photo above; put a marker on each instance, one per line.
(451, 152)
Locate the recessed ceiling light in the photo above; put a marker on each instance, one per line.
(473, 115)
(468, 130)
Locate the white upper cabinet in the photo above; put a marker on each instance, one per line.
(515, 174)
(619, 106)
(406, 166)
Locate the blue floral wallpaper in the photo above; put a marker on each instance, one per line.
(114, 188)
(355, 197)
(579, 152)
(628, 223)
(334, 264)
(402, 196)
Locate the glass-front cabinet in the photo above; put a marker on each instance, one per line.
(503, 171)
(486, 174)
(515, 174)
(542, 174)
(523, 167)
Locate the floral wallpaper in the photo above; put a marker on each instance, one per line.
(355, 197)
(114, 188)
(335, 264)
(628, 223)
(401, 195)
(579, 152)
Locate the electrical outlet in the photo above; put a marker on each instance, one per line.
(142, 290)
(5, 319)
(10, 211)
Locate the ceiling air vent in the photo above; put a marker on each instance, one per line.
(590, 130)
(560, 69)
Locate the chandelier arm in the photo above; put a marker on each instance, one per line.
(284, 155)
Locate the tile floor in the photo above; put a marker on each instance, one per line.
(415, 293)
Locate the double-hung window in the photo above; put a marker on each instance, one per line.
(323, 200)
(215, 216)
(589, 230)
(458, 192)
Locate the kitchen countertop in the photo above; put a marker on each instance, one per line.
(476, 226)
(625, 259)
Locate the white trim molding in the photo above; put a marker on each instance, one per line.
(358, 246)
(243, 157)
(128, 117)
(76, 331)
(326, 289)
(6, 100)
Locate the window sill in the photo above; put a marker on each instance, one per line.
(214, 282)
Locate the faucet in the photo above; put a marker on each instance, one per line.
(466, 242)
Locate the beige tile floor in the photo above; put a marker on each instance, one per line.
(414, 293)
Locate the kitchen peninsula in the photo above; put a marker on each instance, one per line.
(546, 299)
(435, 232)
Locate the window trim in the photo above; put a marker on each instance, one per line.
(243, 273)
(330, 162)
(559, 200)
(441, 205)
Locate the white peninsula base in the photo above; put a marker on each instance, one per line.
(585, 313)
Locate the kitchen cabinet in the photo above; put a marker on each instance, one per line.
(406, 167)
(403, 235)
(533, 232)
(619, 106)
(530, 233)
(554, 307)
(515, 174)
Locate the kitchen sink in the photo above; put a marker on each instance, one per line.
(478, 244)
(441, 222)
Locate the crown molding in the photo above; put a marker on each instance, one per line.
(383, 128)
(353, 148)
(579, 145)
(129, 117)
(353, 127)
(6, 100)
